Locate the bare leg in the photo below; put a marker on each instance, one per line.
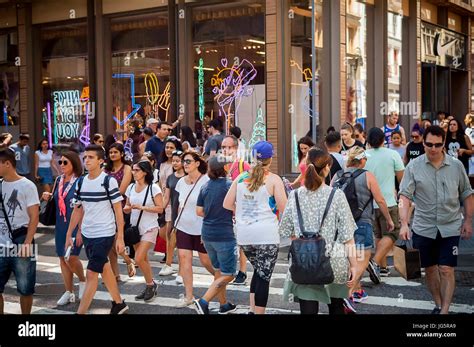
(67, 275)
(113, 259)
(111, 283)
(219, 285)
(448, 283)
(252, 302)
(141, 258)
(242, 261)
(170, 245)
(26, 302)
(433, 283)
(75, 266)
(186, 270)
(383, 247)
(362, 259)
(206, 262)
(89, 291)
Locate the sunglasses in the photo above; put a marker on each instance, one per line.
(63, 162)
(415, 136)
(188, 161)
(177, 152)
(436, 145)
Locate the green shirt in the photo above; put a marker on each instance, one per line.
(437, 194)
(384, 163)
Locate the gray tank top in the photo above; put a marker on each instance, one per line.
(364, 195)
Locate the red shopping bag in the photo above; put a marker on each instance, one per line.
(160, 245)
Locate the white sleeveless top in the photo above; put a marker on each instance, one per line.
(45, 159)
(256, 223)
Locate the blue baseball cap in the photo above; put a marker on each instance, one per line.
(263, 150)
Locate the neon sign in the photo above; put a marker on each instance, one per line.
(135, 107)
(201, 88)
(5, 117)
(259, 132)
(231, 84)
(50, 133)
(67, 119)
(153, 95)
(85, 135)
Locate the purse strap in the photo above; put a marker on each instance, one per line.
(7, 220)
(144, 203)
(185, 201)
(326, 210)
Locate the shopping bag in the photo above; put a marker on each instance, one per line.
(407, 260)
(160, 245)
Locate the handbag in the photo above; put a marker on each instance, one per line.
(47, 214)
(309, 259)
(175, 227)
(406, 260)
(17, 233)
(132, 234)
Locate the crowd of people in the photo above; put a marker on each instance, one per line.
(361, 190)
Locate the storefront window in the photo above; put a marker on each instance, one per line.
(301, 92)
(9, 77)
(394, 51)
(65, 84)
(229, 66)
(356, 61)
(140, 67)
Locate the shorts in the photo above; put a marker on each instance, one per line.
(46, 175)
(380, 224)
(150, 235)
(23, 268)
(263, 259)
(189, 242)
(364, 236)
(223, 256)
(97, 251)
(440, 251)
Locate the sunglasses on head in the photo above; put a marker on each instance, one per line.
(63, 162)
(436, 145)
(177, 152)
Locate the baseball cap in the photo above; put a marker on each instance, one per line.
(263, 150)
(152, 121)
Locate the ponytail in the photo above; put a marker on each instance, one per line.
(317, 161)
(257, 175)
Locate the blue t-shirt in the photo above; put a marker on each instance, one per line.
(155, 146)
(217, 224)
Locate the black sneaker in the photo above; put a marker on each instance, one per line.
(384, 272)
(162, 261)
(374, 272)
(150, 292)
(141, 296)
(119, 308)
(227, 308)
(436, 310)
(200, 306)
(240, 279)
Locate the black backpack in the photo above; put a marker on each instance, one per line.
(346, 183)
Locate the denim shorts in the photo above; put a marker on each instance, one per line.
(24, 270)
(97, 251)
(223, 256)
(364, 236)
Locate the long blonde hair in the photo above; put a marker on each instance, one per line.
(257, 174)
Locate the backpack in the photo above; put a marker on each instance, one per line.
(346, 183)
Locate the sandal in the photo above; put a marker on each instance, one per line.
(131, 269)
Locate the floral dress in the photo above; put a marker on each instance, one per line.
(339, 218)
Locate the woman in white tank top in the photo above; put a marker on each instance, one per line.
(43, 166)
(258, 198)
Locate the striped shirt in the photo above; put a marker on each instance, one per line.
(99, 218)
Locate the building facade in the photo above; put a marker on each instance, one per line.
(73, 68)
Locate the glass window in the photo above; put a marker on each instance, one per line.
(356, 62)
(394, 51)
(229, 67)
(140, 67)
(65, 84)
(301, 74)
(9, 91)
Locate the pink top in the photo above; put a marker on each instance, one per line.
(303, 167)
(235, 169)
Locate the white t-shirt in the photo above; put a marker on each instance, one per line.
(99, 217)
(190, 223)
(149, 220)
(17, 197)
(44, 159)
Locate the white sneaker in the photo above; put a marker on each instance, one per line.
(82, 287)
(183, 302)
(179, 279)
(66, 298)
(166, 271)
